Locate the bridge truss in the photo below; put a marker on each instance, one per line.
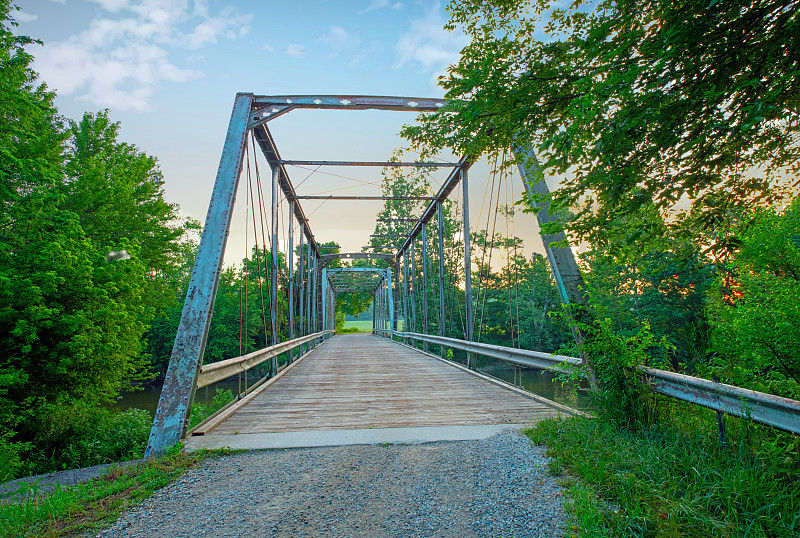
(319, 284)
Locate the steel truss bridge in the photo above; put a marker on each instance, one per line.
(382, 380)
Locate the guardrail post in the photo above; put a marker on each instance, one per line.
(177, 394)
(467, 268)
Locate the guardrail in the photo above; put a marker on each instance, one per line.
(523, 357)
(775, 411)
(217, 371)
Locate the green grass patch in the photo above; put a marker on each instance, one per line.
(358, 326)
(660, 481)
(74, 511)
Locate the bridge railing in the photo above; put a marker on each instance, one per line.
(217, 371)
(775, 411)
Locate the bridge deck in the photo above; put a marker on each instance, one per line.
(364, 382)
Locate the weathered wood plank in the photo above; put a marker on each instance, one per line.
(363, 381)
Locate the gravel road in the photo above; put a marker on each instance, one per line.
(489, 488)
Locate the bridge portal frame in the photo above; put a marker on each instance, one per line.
(251, 113)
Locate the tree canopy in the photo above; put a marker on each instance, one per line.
(691, 108)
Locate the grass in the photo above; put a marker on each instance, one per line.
(74, 511)
(660, 481)
(361, 326)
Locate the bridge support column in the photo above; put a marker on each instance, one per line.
(469, 320)
(177, 394)
(390, 301)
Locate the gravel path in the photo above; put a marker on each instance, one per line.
(493, 487)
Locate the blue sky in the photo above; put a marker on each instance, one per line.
(168, 70)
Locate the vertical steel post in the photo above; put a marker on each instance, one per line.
(467, 266)
(325, 299)
(425, 345)
(315, 322)
(405, 295)
(290, 257)
(442, 331)
(395, 291)
(302, 285)
(562, 260)
(177, 394)
(390, 301)
(413, 289)
(273, 296)
(309, 329)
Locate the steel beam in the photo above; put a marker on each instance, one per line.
(290, 263)
(367, 198)
(382, 164)
(354, 102)
(467, 265)
(442, 332)
(447, 187)
(273, 297)
(413, 289)
(302, 286)
(425, 284)
(269, 149)
(562, 260)
(177, 394)
(356, 256)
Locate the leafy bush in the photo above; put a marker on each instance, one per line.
(201, 411)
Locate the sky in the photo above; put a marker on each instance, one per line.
(168, 71)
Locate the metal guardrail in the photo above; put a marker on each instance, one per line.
(775, 411)
(524, 357)
(217, 371)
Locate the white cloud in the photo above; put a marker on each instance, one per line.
(382, 4)
(267, 48)
(21, 16)
(62, 2)
(295, 50)
(339, 39)
(427, 46)
(120, 60)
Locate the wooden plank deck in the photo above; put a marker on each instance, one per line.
(356, 382)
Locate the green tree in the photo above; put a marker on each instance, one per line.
(641, 104)
(756, 311)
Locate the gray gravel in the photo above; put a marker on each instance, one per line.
(493, 487)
